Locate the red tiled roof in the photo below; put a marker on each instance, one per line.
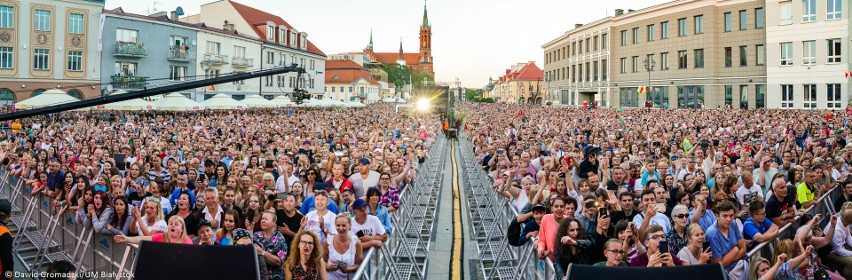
(391, 85)
(347, 76)
(258, 19)
(529, 72)
(385, 58)
(339, 64)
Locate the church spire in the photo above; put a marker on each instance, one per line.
(425, 16)
(401, 57)
(371, 40)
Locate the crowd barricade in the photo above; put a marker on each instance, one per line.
(403, 256)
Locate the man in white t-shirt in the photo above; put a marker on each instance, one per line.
(367, 227)
(365, 179)
(748, 188)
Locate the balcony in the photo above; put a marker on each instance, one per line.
(214, 59)
(129, 82)
(242, 62)
(178, 55)
(129, 49)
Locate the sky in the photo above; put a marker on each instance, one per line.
(472, 40)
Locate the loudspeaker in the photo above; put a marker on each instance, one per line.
(691, 272)
(157, 260)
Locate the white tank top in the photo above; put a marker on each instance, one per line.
(347, 257)
(521, 201)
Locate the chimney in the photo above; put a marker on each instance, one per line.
(619, 12)
(228, 26)
(174, 16)
(630, 10)
(578, 25)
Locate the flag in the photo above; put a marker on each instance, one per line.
(640, 90)
(211, 87)
(847, 74)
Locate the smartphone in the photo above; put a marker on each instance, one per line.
(716, 142)
(664, 246)
(500, 151)
(602, 212)
(268, 163)
(705, 246)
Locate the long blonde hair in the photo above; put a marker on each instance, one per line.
(166, 237)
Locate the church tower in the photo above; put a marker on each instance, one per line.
(425, 60)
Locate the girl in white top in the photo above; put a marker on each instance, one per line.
(321, 220)
(152, 222)
(343, 251)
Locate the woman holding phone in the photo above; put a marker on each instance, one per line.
(696, 251)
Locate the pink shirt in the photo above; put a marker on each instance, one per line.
(158, 237)
(547, 234)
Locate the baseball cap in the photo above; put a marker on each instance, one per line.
(359, 203)
(319, 186)
(364, 161)
(6, 207)
(539, 207)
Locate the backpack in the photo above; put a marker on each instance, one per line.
(514, 233)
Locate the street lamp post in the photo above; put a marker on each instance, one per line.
(649, 66)
(549, 93)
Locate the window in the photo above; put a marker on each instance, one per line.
(664, 61)
(699, 58)
(213, 47)
(268, 81)
(41, 59)
(760, 52)
(239, 52)
(7, 58)
(758, 18)
(595, 40)
(808, 10)
(580, 72)
(809, 52)
(126, 35)
(270, 32)
(664, 30)
(41, 22)
(743, 97)
(650, 33)
(729, 94)
(624, 37)
(595, 71)
(588, 69)
(125, 69)
(588, 45)
(635, 61)
(834, 9)
(293, 36)
(786, 12)
(728, 23)
(574, 73)
(604, 41)
(574, 44)
(833, 94)
(833, 50)
(581, 47)
(681, 59)
(623, 65)
(7, 17)
(629, 97)
(786, 54)
(743, 56)
(759, 96)
(699, 24)
(270, 57)
(681, 27)
(75, 24)
(743, 20)
(786, 96)
(177, 73)
(75, 61)
(603, 70)
(810, 95)
(690, 96)
(728, 59)
(636, 35)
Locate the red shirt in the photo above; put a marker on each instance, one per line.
(158, 237)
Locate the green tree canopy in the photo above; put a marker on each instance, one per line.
(418, 79)
(398, 74)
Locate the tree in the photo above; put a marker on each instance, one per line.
(418, 79)
(398, 74)
(471, 93)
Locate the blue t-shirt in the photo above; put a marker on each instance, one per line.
(720, 245)
(308, 206)
(707, 220)
(750, 228)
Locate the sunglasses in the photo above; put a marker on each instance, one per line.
(680, 216)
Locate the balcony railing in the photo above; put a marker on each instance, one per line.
(179, 55)
(129, 49)
(242, 62)
(129, 82)
(215, 59)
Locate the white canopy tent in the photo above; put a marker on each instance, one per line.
(335, 103)
(177, 102)
(355, 104)
(283, 101)
(389, 100)
(126, 105)
(223, 102)
(48, 98)
(257, 101)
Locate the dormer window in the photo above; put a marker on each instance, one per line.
(270, 32)
(282, 34)
(303, 40)
(293, 36)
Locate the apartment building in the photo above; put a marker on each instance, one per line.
(49, 44)
(685, 54)
(808, 45)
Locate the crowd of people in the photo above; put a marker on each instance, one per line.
(310, 189)
(655, 187)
